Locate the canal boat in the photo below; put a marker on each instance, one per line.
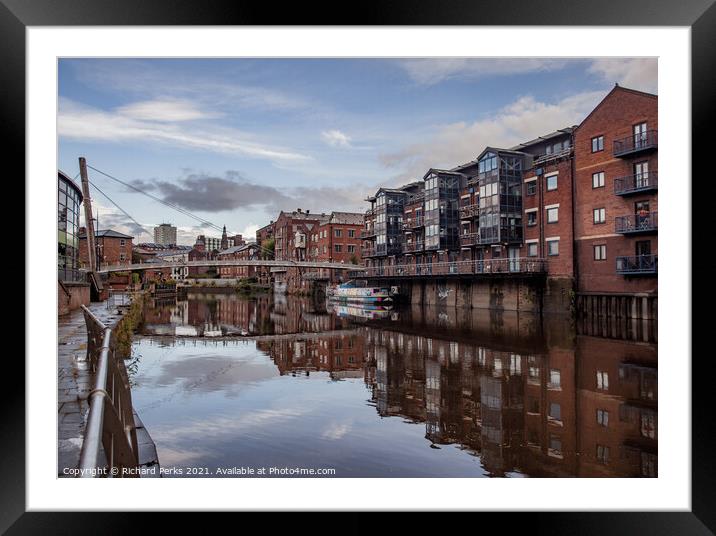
(360, 292)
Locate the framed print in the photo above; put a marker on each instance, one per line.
(361, 261)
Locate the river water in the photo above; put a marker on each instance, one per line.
(284, 386)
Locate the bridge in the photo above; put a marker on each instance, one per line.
(231, 262)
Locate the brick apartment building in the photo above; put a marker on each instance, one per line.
(616, 201)
(243, 252)
(583, 198)
(112, 247)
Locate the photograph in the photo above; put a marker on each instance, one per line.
(357, 267)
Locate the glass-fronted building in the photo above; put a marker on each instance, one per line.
(69, 202)
(500, 196)
(442, 199)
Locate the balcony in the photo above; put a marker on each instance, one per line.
(469, 211)
(367, 252)
(367, 233)
(469, 239)
(636, 184)
(413, 223)
(637, 265)
(636, 143)
(636, 224)
(412, 247)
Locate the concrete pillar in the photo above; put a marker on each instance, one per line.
(645, 313)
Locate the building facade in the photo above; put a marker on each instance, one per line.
(69, 203)
(165, 234)
(578, 204)
(616, 195)
(112, 248)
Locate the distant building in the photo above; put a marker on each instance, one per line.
(214, 244)
(112, 248)
(165, 234)
(242, 252)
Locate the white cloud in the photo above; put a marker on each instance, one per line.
(249, 232)
(457, 143)
(164, 110)
(634, 73)
(76, 121)
(429, 71)
(336, 138)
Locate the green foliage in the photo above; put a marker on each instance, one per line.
(268, 248)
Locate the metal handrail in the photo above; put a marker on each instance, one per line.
(493, 266)
(636, 223)
(637, 182)
(110, 442)
(637, 264)
(635, 142)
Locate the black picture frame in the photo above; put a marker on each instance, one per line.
(699, 15)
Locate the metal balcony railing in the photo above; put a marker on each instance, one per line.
(411, 247)
(470, 239)
(367, 252)
(414, 223)
(637, 265)
(110, 442)
(469, 211)
(636, 143)
(632, 184)
(367, 233)
(522, 265)
(636, 223)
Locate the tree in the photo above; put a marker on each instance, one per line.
(267, 248)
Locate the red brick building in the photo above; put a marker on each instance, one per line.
(616, 199)
(245, 252)
(112, 248)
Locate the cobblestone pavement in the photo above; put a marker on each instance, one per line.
(74, 382)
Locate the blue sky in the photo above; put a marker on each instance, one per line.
(237, 140)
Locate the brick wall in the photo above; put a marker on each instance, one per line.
(614, 119)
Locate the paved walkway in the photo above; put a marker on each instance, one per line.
(74, 382)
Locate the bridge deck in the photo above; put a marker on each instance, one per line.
(235, 262)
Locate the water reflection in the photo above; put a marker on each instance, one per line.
(417, 392)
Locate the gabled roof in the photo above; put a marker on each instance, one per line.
(237, 249)
(107, 233)
(348, 218)
(539, 139)
(616, 88)
(441, 172)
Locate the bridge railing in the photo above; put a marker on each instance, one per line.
(110, 442)
(520, 265)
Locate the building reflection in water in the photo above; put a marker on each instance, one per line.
(526, 396)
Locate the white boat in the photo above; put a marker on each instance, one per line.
(359, 292)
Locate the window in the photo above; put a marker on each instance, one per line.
(553, 247)
(555, 411)
(351, 233)
(533, 405)
(338, 248)
(531, 219)
(598, 180)
(553, 215)
(602, 417)
(551, 182)
(597, 144)
(648, 425)
(555, 445)
(555, 378)
(532, 249)
(121, 241)
(602, 454)
(532, 188)
(351, 249)
(600, 215)
(602, 380)
(600, 253)
(337, 233)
